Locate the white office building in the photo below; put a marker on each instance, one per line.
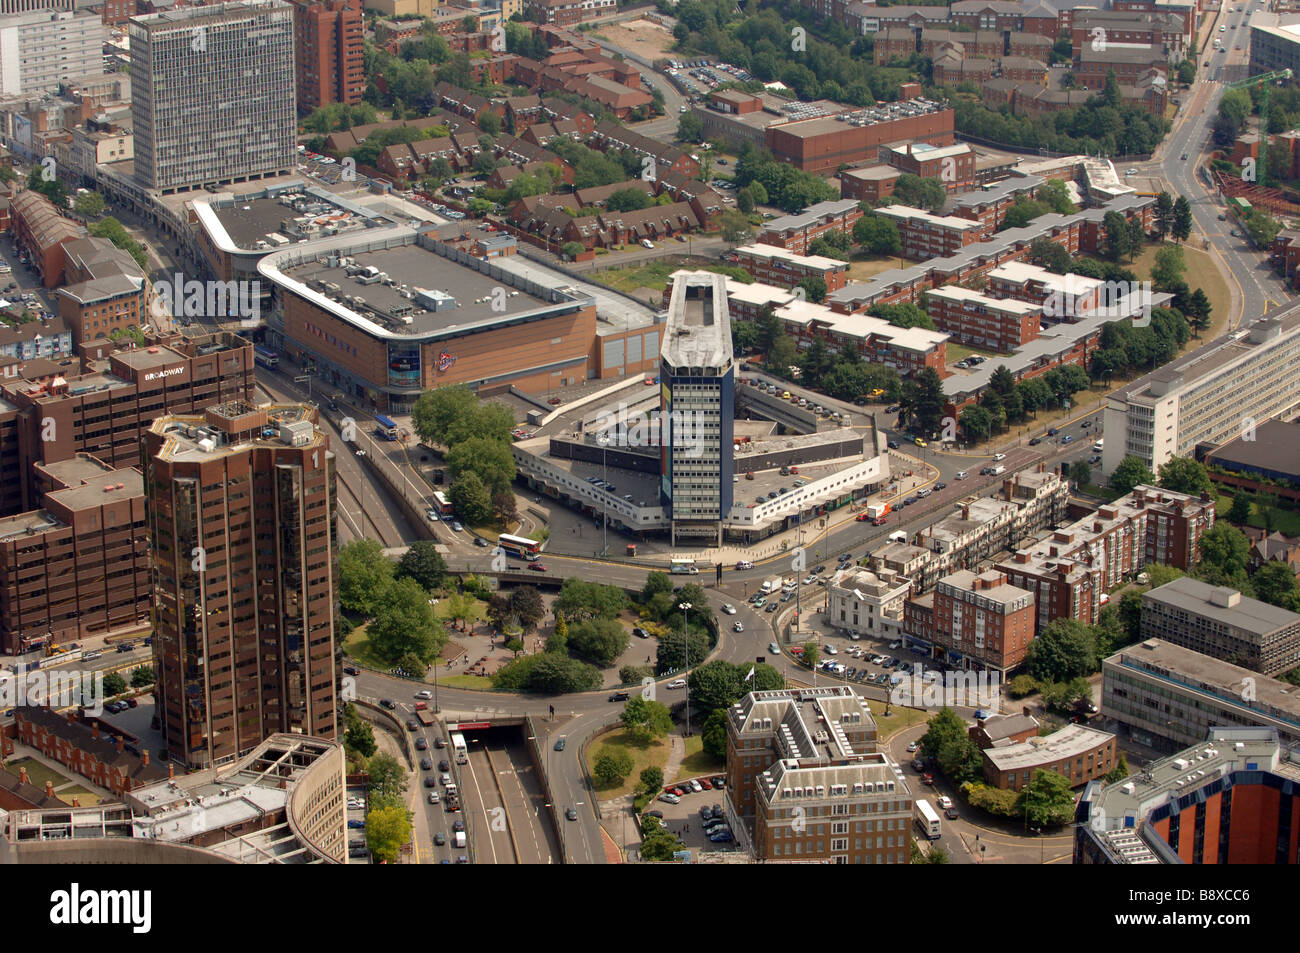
(1210, 396)
(212, 95)
(44, 48)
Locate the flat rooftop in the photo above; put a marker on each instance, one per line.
(417, 268)
(146, 358)
(698, 334)
(1249, 615)
(193, 438)
(117, 485)
(1070, 742)
(1214, 677)
(1276, 447)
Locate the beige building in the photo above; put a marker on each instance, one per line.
(403, 8)
(869, 603)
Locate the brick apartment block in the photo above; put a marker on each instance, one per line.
(972, 318)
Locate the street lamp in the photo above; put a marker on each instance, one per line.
(603, 440)
(686, 646)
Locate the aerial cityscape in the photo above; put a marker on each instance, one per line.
(856, 409)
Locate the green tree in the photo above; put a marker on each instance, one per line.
(656, 582)
(423, 563)
(1131, 472)
(1225, 550)
(453, 414)
(672, 655)
(690, 128)
(713, 736)
(810, 654)
(1184, 475)
(628, 200)
(404, 624)
(611, 767)
(1169, 266)
(1064, 650)
(526, 605)
(1080, 473)
(736, 227)
(976, 424)
(652, 779)
(815, 289)
(572, 250)
(1274, 583)
(1056, 196)
(1050, 255)
(89, 204)
(1239, 513)
(387, 829)
(580, 599)
(387, 777)
(598, 640)
(364, 575)
(359, 737)
(646, 720)
(877, 235)
(1164, 219)
(114, 684)
(142, 676)
(471, 499)
(1182, 229)
(1046, 801)
(918, 192)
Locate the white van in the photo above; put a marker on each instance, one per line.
(898, 536)
(458, 838)
(1096, 447)
(961, 475)
(997, 471)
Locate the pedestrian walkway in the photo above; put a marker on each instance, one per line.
(676, 755)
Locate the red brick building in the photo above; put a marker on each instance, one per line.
(1076, 752)
(776, 266)
(870, 184)
(953, 165)
(925, 236)
(92, 748)
(822, 145)
(1003, 325)
(797, 232)
(328, 63)
(974, 621)
(40, 232)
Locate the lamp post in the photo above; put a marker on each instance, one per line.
(603, 440)
(686, 646)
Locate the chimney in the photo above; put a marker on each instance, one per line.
(72, 717)
(1025, 711)
(965, 511)
(76, 802)
(94, 730)
(22, 776)
(171, 772)
(144, 757)
(1022, 556)
(121, 744)
(49, 789)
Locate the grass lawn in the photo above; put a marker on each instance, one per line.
(475, 683)
(867, 266)
(1285, 521)
(478, 610)
(84, 797)
(654, 754)
(697, 763)
(37, 773)
(898, 718)
(655, 274)
(357, 645)
(1202, 272)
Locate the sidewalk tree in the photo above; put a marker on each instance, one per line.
(471, 499)
(387, 777)
(976, 424)
(359, 736)
(1164, 217)
(1182, 229)
(646, 720)
(387, 829)
(811, 652)
(527, 605)
(656, 581)
(114, 684)
(945, 727)
(1080, 473)
(713, 736)
(143, 676)
(1131, 472)
(1046, 801)
(89, 204)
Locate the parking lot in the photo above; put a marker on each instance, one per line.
(684, 818)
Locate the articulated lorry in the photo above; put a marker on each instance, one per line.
(878, 513)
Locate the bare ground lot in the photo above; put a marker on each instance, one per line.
(641, 37)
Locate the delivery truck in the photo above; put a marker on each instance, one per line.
(878, 513)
